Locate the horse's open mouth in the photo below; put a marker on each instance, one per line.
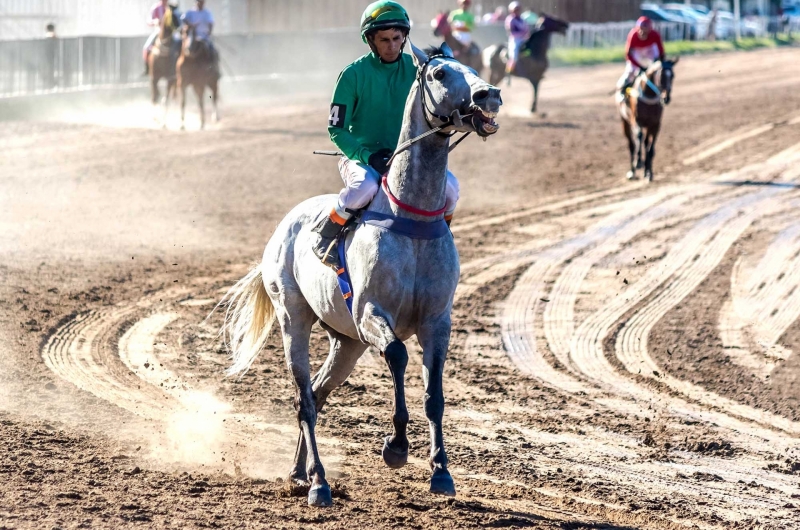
(484, 122)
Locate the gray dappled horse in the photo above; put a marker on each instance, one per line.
(401, 285)
(641, 111)
(532, 62)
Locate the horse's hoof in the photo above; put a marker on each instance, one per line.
(631, 175)
(442, 483)
(649, 176)
(394, 458)
(299, 476)
(320, 496)
(639, 164)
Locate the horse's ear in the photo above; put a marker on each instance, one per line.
(418, 55)
(447, 50)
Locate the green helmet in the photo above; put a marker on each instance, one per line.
(384, 14)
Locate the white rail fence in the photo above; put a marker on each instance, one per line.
(38, 66)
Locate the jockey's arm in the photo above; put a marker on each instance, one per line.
(661, 54)
(629, 50)
(210, 29)
(342, 107)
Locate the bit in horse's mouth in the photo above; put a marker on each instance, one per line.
(484, 121)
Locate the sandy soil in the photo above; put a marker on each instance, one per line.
(622, 353)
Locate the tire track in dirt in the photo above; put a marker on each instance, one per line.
(761, 306)
(693, 259)
(118, 355)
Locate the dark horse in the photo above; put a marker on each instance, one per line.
(162, 60)
(196, 67)
(532, 62)
(641, 110)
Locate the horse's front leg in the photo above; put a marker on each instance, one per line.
(650, 152)
(535, 96)
(296, 319)
(434, 337)
(379, 333)
(198, 90)
(629, 134)
(182, 90)
(214, 85)
(639, 146)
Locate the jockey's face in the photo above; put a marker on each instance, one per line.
(388, 44)
(644, 31)
(200, 4)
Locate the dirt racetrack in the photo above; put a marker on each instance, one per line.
(622, 353)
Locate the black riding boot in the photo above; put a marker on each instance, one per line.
(326, 247)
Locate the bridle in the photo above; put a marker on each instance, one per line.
(454, 120)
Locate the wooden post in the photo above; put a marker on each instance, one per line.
(737, 19)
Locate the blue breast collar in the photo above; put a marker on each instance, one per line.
(399, 225)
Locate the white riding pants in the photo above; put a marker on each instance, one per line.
(645, 58)
(464, 37)
(149, 43)
(362, 182)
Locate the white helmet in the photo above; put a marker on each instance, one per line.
(513, 5)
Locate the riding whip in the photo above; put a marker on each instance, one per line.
(329, 153)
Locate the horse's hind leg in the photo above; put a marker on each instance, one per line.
(379, 333)
(434, 337)
(341, 360)
(296, 318)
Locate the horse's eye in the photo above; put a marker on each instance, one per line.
(438, 75)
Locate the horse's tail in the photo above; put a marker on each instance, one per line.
(248, 321)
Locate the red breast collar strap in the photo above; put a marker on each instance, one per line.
(408, 207)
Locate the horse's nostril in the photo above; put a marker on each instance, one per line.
(480, 95)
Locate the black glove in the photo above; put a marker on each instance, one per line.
(379, 160)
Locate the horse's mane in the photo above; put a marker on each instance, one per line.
(653, 68)
(434, 50)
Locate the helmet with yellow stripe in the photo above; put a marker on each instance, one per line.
(384, 14)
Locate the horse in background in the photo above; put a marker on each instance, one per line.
(466, 55)
(196, 68)
(532, 62)
(641, 109)
(162, 61)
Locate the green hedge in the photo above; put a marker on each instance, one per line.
(588, 56)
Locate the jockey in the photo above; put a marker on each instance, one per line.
(462, 22)
(366, 117)
(644, 47)
(202, 21)
(157, 12)
(518, 33)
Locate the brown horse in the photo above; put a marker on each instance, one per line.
(641, 110)
(466, 55)
(161, 63)
(196, 67)
(532, 62)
